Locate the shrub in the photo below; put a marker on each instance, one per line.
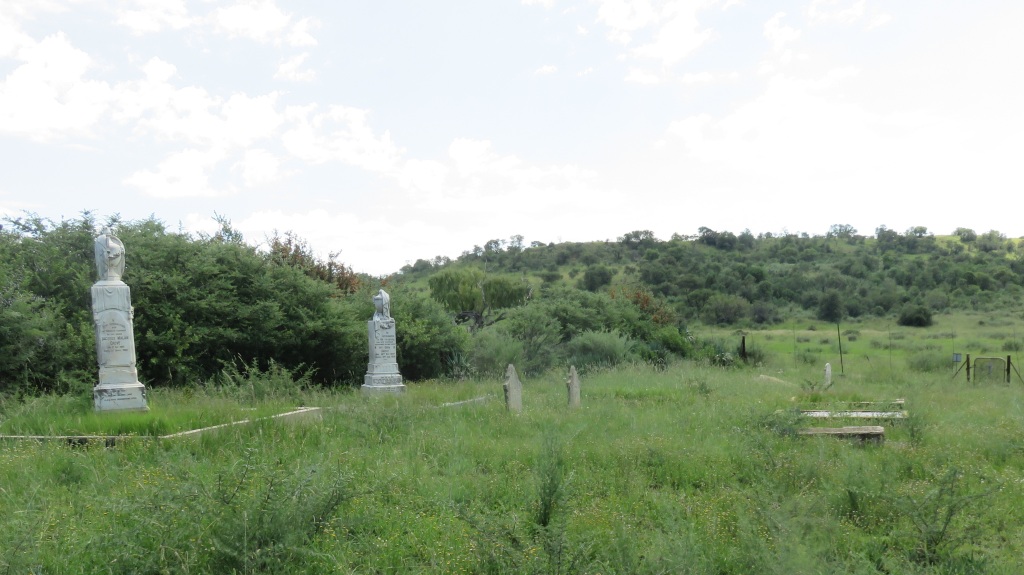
(927, 362)
(492, 351)
(539, 334)
(672, 340)
(597, 349)
(915, 315)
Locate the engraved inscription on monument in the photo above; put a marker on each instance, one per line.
(382, 369)
(113, 316)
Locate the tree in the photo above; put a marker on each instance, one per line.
(991, 241)
(596, 277)
(725, 309)
(471, 294)
(915, 315)
(966, 235)
(841, 231)
(831, 308)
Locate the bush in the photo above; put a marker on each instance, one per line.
(672, 340)
(539, 334)
(492, 351)
(928, 362)
(725, 309)
(915, 315)
(597, 349)
(428, 341)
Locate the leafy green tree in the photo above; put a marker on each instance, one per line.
(596, 277)
(429, 345)
(725, 309)
(966, 235)
(539, 332)
(842, 231)
(915, 315)
(472, 295)
(991, 241)
(831, 307)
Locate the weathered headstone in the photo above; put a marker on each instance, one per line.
(113, 319)
(828, 375)
(382, 370)
(573, 385)
(513, 390)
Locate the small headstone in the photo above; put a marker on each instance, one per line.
(113, 317)
(382, 370)
(828, 375)
(513, 390)
(573, 385)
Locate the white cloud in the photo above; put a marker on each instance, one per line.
(546, 4)
(698, 78)
(48, 96)
(624, 17)
(680, 35)
(291, 70)
(301, 33)
(486, 180)
(545, 70)
(184, 174)
(148, 16)
(263, 21)
(846, 12)
(193, 115)
(840, 11)
(340, 134)
(879, 20)
(639, 76)
(259, 167)
(425, 178)
(779, 34)
(12, 39)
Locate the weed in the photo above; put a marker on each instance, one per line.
(939, 527)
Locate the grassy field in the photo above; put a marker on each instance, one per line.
(876, 345)
(689, 469)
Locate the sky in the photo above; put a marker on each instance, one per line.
(395, 131)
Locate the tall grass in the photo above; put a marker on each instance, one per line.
(687, 469)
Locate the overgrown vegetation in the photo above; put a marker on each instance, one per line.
(209, 302)
(688, 469)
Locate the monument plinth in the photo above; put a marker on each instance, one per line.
(382, 373)
(113, 319)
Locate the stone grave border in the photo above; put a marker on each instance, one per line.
(111, 440)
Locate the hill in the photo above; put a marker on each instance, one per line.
(728, 279)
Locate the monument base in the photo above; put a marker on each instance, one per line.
(375, 383)
(120, 397)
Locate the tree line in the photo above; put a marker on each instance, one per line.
(208, 302)
(718, 277)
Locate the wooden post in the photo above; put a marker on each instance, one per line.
(968, 368)
(840, 336)
(1007, 369)
(743, 348)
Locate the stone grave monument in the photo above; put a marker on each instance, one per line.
(113, 319)
(513, 390)
(828, 375)
(573, 386)
(382, 370)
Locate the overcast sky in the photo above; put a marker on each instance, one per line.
(394, 131)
